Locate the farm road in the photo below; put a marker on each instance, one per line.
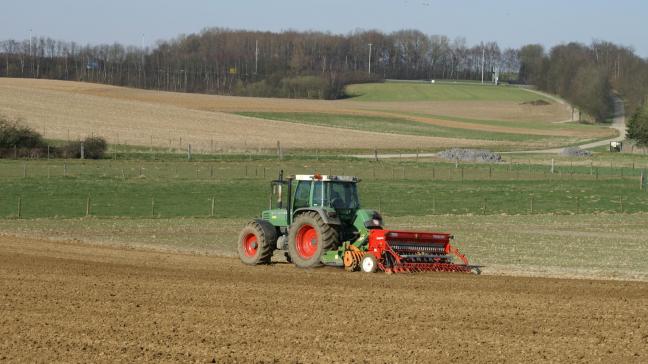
(618, 124)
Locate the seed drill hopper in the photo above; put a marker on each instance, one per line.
(318, 220)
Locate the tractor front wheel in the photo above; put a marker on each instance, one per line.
(309, 238)
(256, 242)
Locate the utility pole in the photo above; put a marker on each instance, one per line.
(256, 57)
(141, 70)
(31, 60)
(370, 44)
(482, 63)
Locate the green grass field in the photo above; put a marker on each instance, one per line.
(239, 188)
(513, 218)
(409, 91)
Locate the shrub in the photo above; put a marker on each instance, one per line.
(93, 148)
(638, 127)
(12, 134)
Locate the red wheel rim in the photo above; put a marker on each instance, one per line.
(307, 242)
(250, 245)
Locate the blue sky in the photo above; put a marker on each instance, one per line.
(510, 23)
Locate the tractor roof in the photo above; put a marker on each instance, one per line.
(319, 177)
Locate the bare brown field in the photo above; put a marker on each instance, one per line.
(497, 110)
(73, 114)
(70, 302)
(132, 116)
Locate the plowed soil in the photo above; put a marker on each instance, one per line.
(72, 302)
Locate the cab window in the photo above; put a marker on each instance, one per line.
(318, 199)
(302, 194)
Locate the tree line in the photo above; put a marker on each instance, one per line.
(236, 62)
(320, 65)
(587, 75)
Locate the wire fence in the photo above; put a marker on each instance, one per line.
(365, 170)
(206, 205)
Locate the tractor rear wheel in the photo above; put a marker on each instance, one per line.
(309, 238)
(257, 242)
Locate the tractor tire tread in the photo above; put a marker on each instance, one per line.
(267, 237)
(328, 239)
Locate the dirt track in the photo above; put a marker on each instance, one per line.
(81, 303)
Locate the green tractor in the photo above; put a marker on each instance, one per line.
(320, 221)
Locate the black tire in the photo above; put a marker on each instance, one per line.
(260, 250)
(327, 238)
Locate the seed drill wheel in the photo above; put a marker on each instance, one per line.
(369, 264)
(309, 238)
(256, 242)
(352, 258)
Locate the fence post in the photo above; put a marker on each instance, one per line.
(213, 202)
(48, 152)
(484, 207)
(376, 154)
(189, 152)
(433, 205)
(490, 172)
(152, 206)
(211, 171)
(553, 166)
(87, 206)
(65, 169)
(531, 203)
(82, 151)
(19, 207)
(24, 170)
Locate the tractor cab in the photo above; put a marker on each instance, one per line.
(336, 197)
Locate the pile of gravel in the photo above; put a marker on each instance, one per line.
(575, 152)
(470, 155)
